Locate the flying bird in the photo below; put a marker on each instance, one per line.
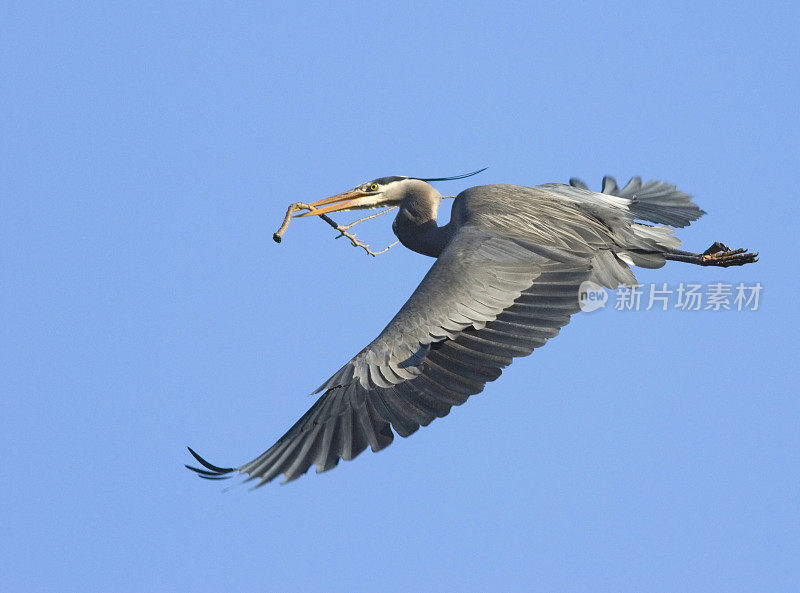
(506, 279)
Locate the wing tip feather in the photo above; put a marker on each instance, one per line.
(212, 472)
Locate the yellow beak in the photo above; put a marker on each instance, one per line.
(348, 200)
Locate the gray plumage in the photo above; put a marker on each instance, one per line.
(506, 279)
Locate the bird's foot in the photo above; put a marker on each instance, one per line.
(723, 256)
(716, 247)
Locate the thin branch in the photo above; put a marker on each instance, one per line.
(354, 241)
(355, 222)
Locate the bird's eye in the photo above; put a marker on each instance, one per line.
(373, 187)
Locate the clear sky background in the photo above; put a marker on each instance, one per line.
(150, 150)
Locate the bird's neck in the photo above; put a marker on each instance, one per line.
(422, 235)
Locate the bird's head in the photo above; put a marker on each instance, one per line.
(378, 193)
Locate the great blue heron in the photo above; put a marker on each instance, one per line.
(506, 279)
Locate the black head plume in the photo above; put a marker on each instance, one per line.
(454, 177)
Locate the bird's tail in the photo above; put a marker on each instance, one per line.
(654, 201)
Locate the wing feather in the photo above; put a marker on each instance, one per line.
(349, 418)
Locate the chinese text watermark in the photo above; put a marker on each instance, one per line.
(685, 296)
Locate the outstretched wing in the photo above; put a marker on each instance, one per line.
(486, 300)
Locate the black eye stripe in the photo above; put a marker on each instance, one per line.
(380, 182)
(387, 180)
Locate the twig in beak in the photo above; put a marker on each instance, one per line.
(278, 235)
(341, 228)
(354, 241)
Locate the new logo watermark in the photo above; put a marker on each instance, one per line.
(591, 296)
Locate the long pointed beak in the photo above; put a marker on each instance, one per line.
(347, 201)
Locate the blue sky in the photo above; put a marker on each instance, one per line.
(149, 151)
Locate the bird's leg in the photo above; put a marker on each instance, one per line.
(718, 254)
